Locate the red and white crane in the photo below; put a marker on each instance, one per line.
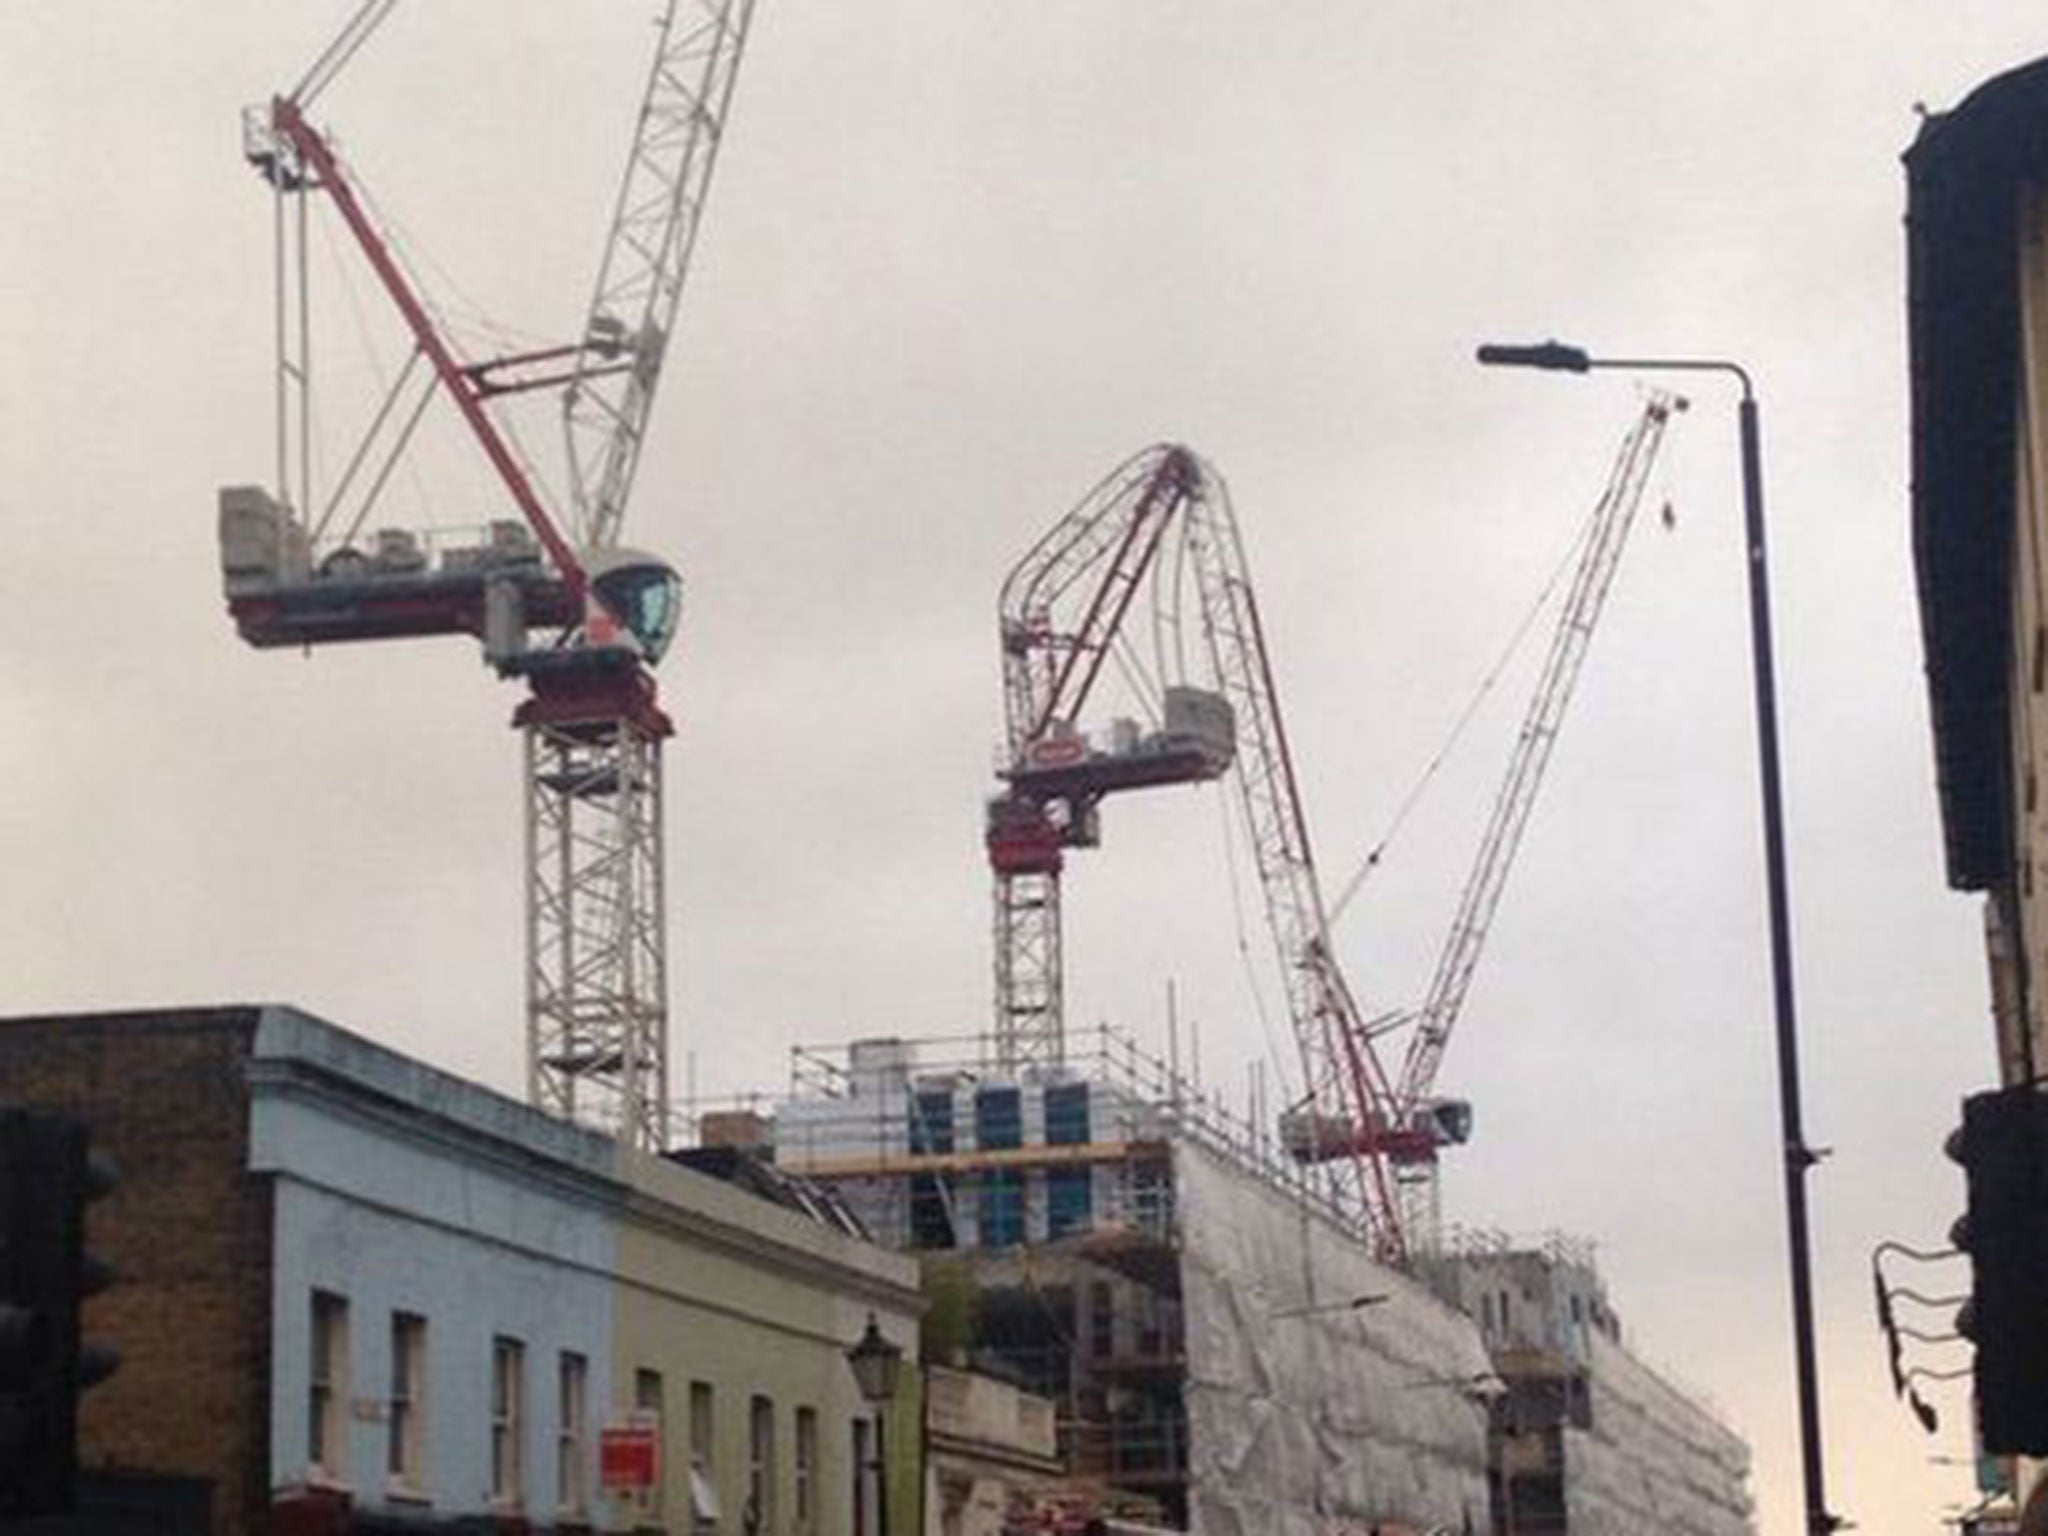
(1419, 1124)
(554, 599)
(1162, 525)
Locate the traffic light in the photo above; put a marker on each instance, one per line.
(2003, 1147)
(48, 1175)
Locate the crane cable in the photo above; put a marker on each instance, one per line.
(1372, 859)
(335, 57)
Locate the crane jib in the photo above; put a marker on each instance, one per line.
(314, 154)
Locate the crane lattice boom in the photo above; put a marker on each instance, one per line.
(640, 280)
(1607, 532)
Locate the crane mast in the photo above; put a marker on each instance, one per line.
(596, 882)
(296, 575)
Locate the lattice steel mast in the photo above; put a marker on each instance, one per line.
(597, 951)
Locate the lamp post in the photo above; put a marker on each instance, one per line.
(876, 1365)
(1557, 357)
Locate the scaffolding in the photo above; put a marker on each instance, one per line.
(939, 1138)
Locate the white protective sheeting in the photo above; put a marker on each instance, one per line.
(1653, 1461)
(1308, 1417)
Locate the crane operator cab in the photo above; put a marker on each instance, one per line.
(631, 603)
(636, 600)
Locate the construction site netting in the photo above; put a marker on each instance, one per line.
(1324, 1391)
(1654, 1460)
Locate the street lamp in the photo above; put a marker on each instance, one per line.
(1557, 357)
(876, 1365)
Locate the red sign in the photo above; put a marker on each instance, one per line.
(629, 1457)
(1058, 749)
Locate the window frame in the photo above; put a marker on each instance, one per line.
(405, 1405)
(703, 1446)
(508, 1420)
(572, 1432)
(327, 1387)
(805, 1452)
(761, 1460)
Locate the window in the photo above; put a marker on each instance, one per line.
(327, 1389)
(1066, 1114)
(761, 1464)
(572, 1376)
(408, 1393)
(704, 1513)
(998, 1117)
(931, 1121)
(647, 1391)
(863, 1479)
(508, 1416)
(1069, 1200)
(647, 1398)
(806, 1468)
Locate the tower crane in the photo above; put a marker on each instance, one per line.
(1057, 627)
(555, 601)
(1377, 1132)
(1161, 525)
(1419, 1124)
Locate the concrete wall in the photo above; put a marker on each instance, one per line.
(991, 1446)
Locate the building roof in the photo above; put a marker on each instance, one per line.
(750, 1169)
(1964, 171)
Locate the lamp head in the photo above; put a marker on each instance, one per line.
(876, 1363)
(1552, 356)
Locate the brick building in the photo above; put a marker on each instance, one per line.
(354, 1287)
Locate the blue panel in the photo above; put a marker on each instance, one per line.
(1069, 1200)
(998, 1117)
(1066, 1114)
(931, 1122)
(1002, 1209)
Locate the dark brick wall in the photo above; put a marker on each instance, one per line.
(188, 1229)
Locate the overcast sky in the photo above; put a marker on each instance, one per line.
(963, 257)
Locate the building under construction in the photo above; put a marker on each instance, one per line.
(1221, 1346)
(1585, 1438)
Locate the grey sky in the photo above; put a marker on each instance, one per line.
(961, 258)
